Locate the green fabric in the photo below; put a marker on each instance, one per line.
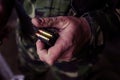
(46, 7)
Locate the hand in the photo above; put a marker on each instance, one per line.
(74, 33)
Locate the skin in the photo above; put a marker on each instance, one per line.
(74, 33)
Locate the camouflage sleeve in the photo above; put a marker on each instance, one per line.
(96, 40)
(104, 24)
(90, 51)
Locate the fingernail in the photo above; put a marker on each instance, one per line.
(39, 40)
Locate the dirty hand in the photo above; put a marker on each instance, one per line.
(73, 34)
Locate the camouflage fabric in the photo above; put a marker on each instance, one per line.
(46, 8)
(63, 70)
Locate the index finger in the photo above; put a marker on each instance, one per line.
(56, 22)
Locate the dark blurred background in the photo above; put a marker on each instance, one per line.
(9, 48)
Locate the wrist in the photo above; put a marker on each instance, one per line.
(96, 38)
(85, 29)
